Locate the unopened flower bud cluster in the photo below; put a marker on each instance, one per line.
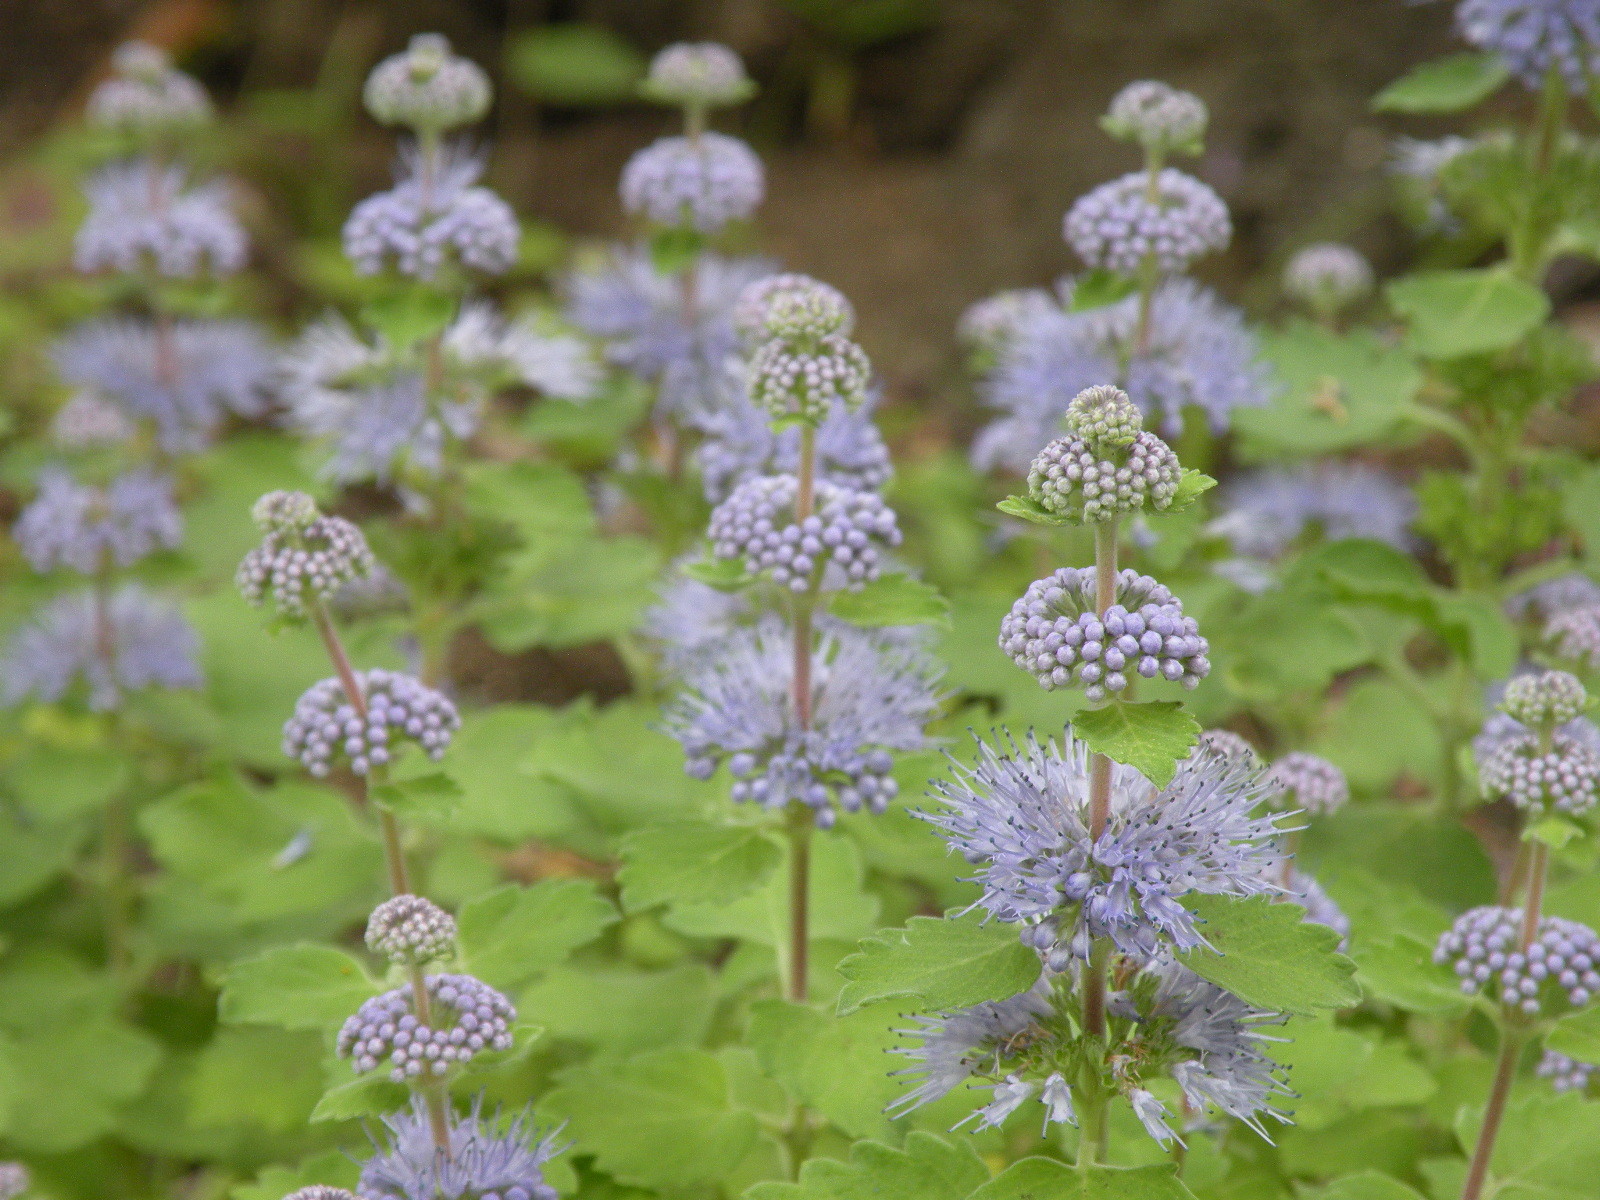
(847, 530)
(1172, 222)
(1070, 478)
(1550, 697)
(303, 557)
(147, 95)
(703, 183)
(326, 726)
(427, 87)
(697, 75)
(1157, 116)
(467, 1016)
(1310, 783)
(1565, 778)
(411, 930)
(1559, 966)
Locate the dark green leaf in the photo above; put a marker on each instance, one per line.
(1401, 971)
(943, 963)
(892, 600)
(1152, 737)
(1269, 955)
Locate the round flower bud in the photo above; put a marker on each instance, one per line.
(1156, 116)
(1104, 417)
(1326, 277)
(303, 558)
(701, 182)
(1565, 1074)
(697, 75)
(321, 1191)
(427, 88)
(1564, 779)
(411, 931)
(1121, 223)
(146, 95)
(1055, 633)
(325, 725)
(791, 307)
(805, 378)
(845, 531)
(466, 1017)
(1550, 697)
(1071, 478)
(1310, 783)
(1557, 971)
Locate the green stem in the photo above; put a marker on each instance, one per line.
(1094, 975)
(801, 821)
(1499, 1092)
(1092, 1130)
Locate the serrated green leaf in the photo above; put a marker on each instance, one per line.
(662, 1119)
(622, 1010)
(371, 1095)
(1445, 85)
(409, 314)
(694, 862)
(928, 1168)
(1192, 485)
(431, 799)
(1337, 1071)
(831, 1064)
(1267, 954)
(892, 600)
(1401, 971)
(513, 933)
(1553, 831)
(724, 574)
(942, 963)
(1475, 311)
(1051, 1179)
(1029, 509)
(1365, 1185)
(1098, 288)
(73, 1079)
(295, 987)
(1577, 1035)
(1548, 1148)
(1152, 737)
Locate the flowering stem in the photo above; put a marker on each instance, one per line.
(800, 818)
(1092, 1129)
(1505, 1070)
(1105, 594)
(1538, 867)
(432, 1093)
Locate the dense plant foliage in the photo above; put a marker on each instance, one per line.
(1040, 819)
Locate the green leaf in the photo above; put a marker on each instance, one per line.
(928, 1168)
(1453, 313)
(892, 600)
(623, 1010)
(410, 314)
(1191, 486)
(256, 1078)
(831, 1064)
(1098, 288)
(1401, 971)
(1029, 509)
(429, 799)
(1152, 737)
(694, 862)
(1269, 955)
(1548, 1148)
(662, 1119)
(1445, 85)
(73, 1080)
(57, 783)
(371, 1095)
(295, 987)
(1337, 1071)
(1577, 1035)
(1051, 1179)
(513, 933)
(1365, 1185)
(333, 1169)
(724, 574)
(673, 249)
(942, 963)
(575, 64)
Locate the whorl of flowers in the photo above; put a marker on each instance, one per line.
(1557, 971)
(487, 1160)
(1266, 511)
(990, 325)
(466, 1017)
(1169, 221)
(326, 726)
(1107, 464)
(86, 528)
(1310, 783)
(433, 215)
(870, 694)
(1157, 116)
(427, 87)
(702, 182)
(1563, 777)
(411, 930)
(697, 75)
(184, 378)
(1574, 634)
(1327, 276)
(1023, 819)
(303, 556)
(146, 95)
(129, 642)
(1055, 632)
(839, 544)
(1535, 37)
(142, 214)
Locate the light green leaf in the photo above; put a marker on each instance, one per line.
(622, 1010)
(333, 1169)
(928, 1168)
(1365, 1185)
(295, 987)
(1401, 971)
(1098, 288)
(1445, 85)
(409, 313)
(831, 1064)
(72, 1080)
(724, 574)
(1453, 313)
(1152, 737)
(1029, 509)
(1269, 955)
(57, 783)
(694, 862)
(892, 600)
(662, 1119)
(1577, 1035)
(1337, 1071)
(370, 1095)
(942, 963)
(256, 1078)
(430, 799)
(575, 64)
(1192, 485)
(1548, 1148)
(1051, 1179)
(513, 933)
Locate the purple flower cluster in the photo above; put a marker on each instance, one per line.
(1055, 632)
(1574, 634)
(427, 87)
(1565, 1074)
(1309, 783)
(1170, 221)
(466, 1017)
(1157, 116)
(1265, 512)
(1561, 967)
(1535, 37)
(411, 930)
(841, 538)
(1565, 778)
(697, 75)
(146, 95)
(304, 557)
(326, 726)
(1072, 478)
(1327, 276)
(701, 182)
(486, 1160)
(87, 529)
(144, 215)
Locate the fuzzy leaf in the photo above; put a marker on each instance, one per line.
(369, 1096)
(1445, 85)
(892, 600)
(1453, 313)
(943, 963)
(513, 933)
(828, 1063)
(1051, 1179)
(430, 799)
(694, 862)
(662, 1119)
(1151, 737)
(1268, 955)
(1577, 1035)
(928, 1168)
(1365, 1185)
(1029, 509)
(295, 987)
(724, 574)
